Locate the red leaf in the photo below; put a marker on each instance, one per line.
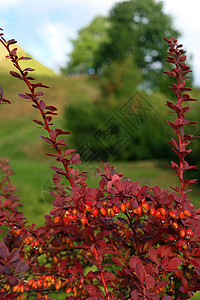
(24, 96)
(22, 267)
(161, 285)
(150, 281)
(15, 74)
(28, 69)
(117, 261)
(133, 261)
(24, 58)
(69, 151)
(140, 272)
(15, 256)
(42, 105)
(4, 253)
(38, 122)
(134, 295)
(47, 140)
(174, 263)
(93, 290)
(153, 254)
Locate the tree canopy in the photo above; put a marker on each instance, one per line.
(132, 28)
(82, 57)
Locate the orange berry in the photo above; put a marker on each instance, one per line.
(175, 225)
(123, 207)
(172, 214)
(68, 290)
(88, 207)
(56, 220)
(145, 206)
(103, 211)
(84, 221)
(15, 288)
(187, 212)
(40, 250)
(112, 212)
(163, 211)
(55, 259)
(182, 233)
(181, 215)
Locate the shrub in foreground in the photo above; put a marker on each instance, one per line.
(117, 241)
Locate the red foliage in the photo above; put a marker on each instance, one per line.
(117, 241)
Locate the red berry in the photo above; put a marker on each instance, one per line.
(128, 205)
(139, 210)
(189, 232)
(158, 213)
(95, 212)
(152, 211)
(115, 209)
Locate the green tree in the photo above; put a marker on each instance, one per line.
(82, 57)
(137, 28)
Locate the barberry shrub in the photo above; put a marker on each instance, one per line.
(117, 241)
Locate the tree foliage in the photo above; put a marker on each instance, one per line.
(137, 28)
(133, 28)
(81, 59)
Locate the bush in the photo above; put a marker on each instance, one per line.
(117, 241)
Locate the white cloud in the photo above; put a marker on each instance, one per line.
(56, 36)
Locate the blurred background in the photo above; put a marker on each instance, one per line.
(104, 62)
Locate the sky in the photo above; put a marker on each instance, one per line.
(44, 27)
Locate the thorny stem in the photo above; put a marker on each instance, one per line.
(16, 64)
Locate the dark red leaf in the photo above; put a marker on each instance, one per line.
(24, 58)
(25, 96)
(4, 253)
(134, 295)
(140, 272)
(153, 254)
(38, 122)
(15, 74)
(47, 140)
(22, 267)
(14, 256)
(174, 263)
(42, 105)
(150, 281)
